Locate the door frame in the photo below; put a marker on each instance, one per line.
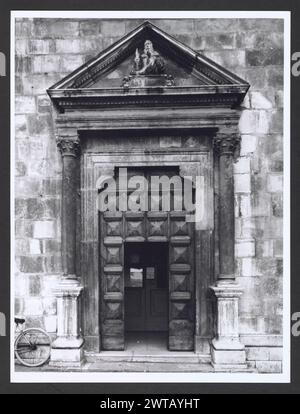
(93, 164)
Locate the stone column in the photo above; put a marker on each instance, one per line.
(226, 349)
(67, 348)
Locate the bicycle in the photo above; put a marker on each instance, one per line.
(32, 345)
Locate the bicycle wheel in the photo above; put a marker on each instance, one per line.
(33, 347)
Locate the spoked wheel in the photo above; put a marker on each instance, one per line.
(32, 347)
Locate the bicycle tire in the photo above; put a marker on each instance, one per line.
(33, 347)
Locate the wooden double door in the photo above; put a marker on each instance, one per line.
(147, 274)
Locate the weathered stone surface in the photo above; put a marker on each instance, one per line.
(31, 264)
(57, 28)
(44, 229)
(269, 366)
(250, 47)
(264, 57)
(245, 248)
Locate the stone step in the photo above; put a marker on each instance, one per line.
(178, 357)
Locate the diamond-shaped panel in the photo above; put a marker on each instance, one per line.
(113, 283)
(180, 310)
(180, 254)
(113, 255)
(113, 310)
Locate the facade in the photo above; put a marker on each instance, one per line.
(187, 98)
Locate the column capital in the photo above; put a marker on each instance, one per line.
(69, 146)
(226, 144)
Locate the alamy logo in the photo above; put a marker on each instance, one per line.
(159, 193)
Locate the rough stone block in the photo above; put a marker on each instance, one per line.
(52, 208)
(259, 101)
(45, 63)
(242, 183)
(269, 367)
(21, 247)
(168, 142)
(277, 205)
(31, 264)
(228, 58)
(216, 25)
(33, 306)
(21, 47)
(37, 84)
(53, 264)
(20, 126)
(41, 46)
(34, 285)
(261, 203)
(279, 98)
(257, 353)
(264, 57)
(23, 228)
(23, 64)
(112, 28)
(221, 41)
(35, 246)
(254, 122)
(89, 28)
(249, 267)
(51, 246)
(248, 144)
(25, 105)
(244, 206)
(50, 323)
(38, 125)
(275, 354)
(23, 28)
(56, 28)
(49, 283)
(44, 229)
(245, 248)
(271, 25)
(278, 248)
(71, 62)
(242, 165)
(49, 302)
(20, 169)
(259, 40)
(174, 26)
(19, 306)
(21, 289)
(274, 77)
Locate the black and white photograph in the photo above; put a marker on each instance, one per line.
(150, 196)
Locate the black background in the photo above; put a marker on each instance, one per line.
(93, 388)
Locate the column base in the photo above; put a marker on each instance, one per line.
(67, 352)
(226, 349)
(228, 354)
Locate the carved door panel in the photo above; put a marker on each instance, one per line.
(181, 283)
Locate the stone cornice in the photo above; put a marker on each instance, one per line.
(226, 96)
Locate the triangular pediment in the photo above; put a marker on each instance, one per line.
(127, 68)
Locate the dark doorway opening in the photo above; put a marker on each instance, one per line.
(146, 290)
